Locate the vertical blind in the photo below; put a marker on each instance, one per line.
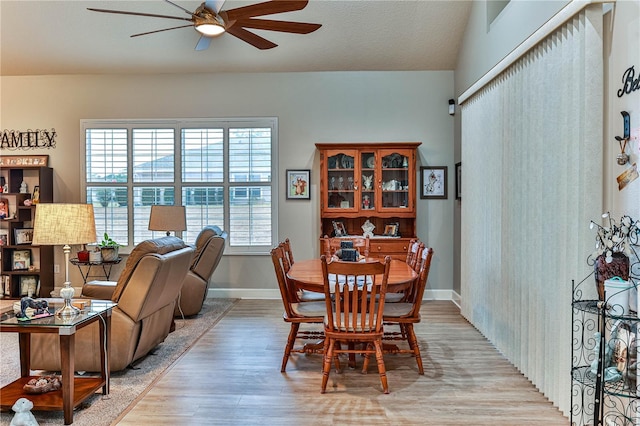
(532, 172)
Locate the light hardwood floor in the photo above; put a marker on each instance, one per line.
(231, 376)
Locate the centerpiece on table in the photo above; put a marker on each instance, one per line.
(614, 246)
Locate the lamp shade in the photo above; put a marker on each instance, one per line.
(168, 218)
(64, 224)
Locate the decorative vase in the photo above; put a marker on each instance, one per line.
(619, 267)
(95, 256)
(83, 256)
(109, 254)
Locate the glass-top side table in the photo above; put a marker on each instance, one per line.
(86, 267)
(74, 390)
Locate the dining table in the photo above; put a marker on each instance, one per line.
(307, 275)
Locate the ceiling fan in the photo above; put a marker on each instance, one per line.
(210, 21)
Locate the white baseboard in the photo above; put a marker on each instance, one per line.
(258, 293)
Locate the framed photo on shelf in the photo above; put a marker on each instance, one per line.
(433, 182)
(298, 184)
(5, 280)
(391, 230)
(339, 229)
(28, 285)
(458, 181)
(21, 260)
(4, 208)
(36, 195)
(4, 237)
(23, 235)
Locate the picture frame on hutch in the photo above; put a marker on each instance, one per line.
(298, 182)
(433, 182)
(339, 229)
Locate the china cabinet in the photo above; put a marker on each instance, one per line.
(25, 269)
(374, 182)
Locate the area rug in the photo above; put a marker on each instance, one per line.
(126, 385)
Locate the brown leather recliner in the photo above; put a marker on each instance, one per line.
(210, 245)
(146, 294)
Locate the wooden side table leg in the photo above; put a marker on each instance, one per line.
(105, 354)
(67, 359)
(25, 354)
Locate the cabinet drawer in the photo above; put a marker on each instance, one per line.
(397, 248)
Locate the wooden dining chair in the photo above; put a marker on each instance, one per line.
(332, 245)
(295, 313)
(299, 295)
(407, 313)
(414, 251)
(355, 317)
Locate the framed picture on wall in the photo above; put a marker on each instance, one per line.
(298, 184)
(433, 182)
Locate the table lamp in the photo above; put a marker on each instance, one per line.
(168, 218)
(64, 224)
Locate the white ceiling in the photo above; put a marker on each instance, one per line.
(63, 37)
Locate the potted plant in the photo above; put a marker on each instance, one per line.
(614, 245)
(108, 248)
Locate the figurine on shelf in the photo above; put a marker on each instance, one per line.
(366, 202)
(23, 187)
(368, 181)
(368, 228)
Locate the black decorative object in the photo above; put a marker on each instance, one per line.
(630, 83)
(40, 307)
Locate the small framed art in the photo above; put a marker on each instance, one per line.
(23, 235)
(4, 208)
(339, 229)
(433, 182)
(21, 260)
(298, 184)
(36, 195)
(391, 230)
(28, 285)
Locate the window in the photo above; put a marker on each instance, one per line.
(222, 171)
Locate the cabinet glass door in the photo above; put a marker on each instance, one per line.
(395, 180)
(368, 181)
(341, 181)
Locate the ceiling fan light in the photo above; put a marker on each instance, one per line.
(210, 29)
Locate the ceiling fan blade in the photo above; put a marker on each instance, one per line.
(122, 12)
(179, 7)
(266, 8)
(203, 43)
(214, 5)
(251, 38)
(282, 26)
(159, 31)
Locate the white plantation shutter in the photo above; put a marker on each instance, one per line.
(220, 169)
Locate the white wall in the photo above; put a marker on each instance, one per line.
(311, 107)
